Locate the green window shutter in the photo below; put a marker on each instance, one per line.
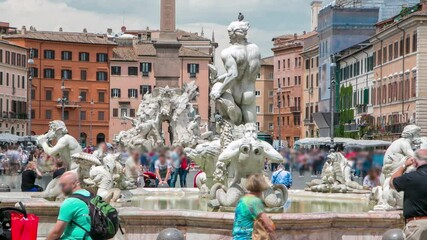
(366, 96)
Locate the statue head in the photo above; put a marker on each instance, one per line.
(251, 130)
(411, 131)
(237, 31)
(57, 128)
(197, 119)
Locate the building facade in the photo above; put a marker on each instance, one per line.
(354, 102)
(288, 78)
(73, 67)
(339, 28)
(400, 58)
(264, 86)
(13, 85)
(132, 75)
(310, 86)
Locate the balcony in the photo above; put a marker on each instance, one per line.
(295, 109)
(361, 109)
(12, 115)
(352, 127)
(308, 122)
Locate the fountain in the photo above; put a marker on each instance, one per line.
(226, 158)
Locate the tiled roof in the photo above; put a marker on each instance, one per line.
(148, 49)
(267, 61)
(124, 54)
(72, 37)
(180, 34)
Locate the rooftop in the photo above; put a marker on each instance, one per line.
(148, 49)
(71, 37)
(267, 61)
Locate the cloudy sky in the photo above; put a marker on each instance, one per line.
(268, 18)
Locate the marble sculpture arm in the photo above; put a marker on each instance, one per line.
(55, 150)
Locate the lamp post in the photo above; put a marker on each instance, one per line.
(30, 88)
(333, 88)
(279, 94)
(91, 113)
(80, 120)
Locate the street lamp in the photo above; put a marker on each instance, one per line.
(80, 120)
(91, 113)
(333, 88)
(279, 94)
(30, 88)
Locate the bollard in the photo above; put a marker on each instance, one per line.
(170, 234)
(394, 234)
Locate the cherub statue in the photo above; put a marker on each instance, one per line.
(102, 179)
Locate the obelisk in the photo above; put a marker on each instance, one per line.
(167, 66)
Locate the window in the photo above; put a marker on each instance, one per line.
(401, 49)
(133, 71)
(270, 126)
(257, 93)
(49, 73)
(1, 78)
(48, 95)
(23, 82)
(33, 94)
(270, 93)
(83, 75)
(390, 52)
(384, 54)
(379, 57)
(82, 115)
(101, 57)
(101, 76)
(35, 52)
(84, 56)
(66, 74)
(115, 112)
(145, 68)
(132, 112)
(414, 42)
(408, 44)
(396, 50)
(101, 96)
(116, 70)
(49, 54)
(35, 72)
(48, 114)
(258, 109)
(143, 89)
(257, 125)
(101, 115)
(1, 55)
(66, 115)
(270, 108)
(7, 57)
(193, 69)
(132, 93)
(115, 93)
(278, 64)
(33, 114)
(83, 95)
(66, 55)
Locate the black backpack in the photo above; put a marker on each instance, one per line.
(103, 217)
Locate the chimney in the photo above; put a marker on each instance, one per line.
(23, 30)
(123, 29)
(60, 29)
(315, 9)
(110, 31)
(84, 30)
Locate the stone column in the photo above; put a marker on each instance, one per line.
(167, 67)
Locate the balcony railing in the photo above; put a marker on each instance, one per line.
(352, 127)
(361, 109)
(308, 121)
(295, 109)
(12, 115)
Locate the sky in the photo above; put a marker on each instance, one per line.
(268, 18)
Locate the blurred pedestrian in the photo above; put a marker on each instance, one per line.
(29, 176)
(282, 176)
(372, 179)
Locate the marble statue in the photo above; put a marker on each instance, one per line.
(201, 183)
(171, 105)
(65, 146)
(336, 177)
(234, 91)
(384, 196)
(102, 180)
(244, 157)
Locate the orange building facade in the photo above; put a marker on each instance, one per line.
(288, 80)
(265, 96)
(81, 62)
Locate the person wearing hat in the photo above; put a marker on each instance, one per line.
(414, 185)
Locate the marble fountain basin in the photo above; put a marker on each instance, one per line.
(307, 215)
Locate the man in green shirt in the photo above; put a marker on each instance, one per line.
(72, 211)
